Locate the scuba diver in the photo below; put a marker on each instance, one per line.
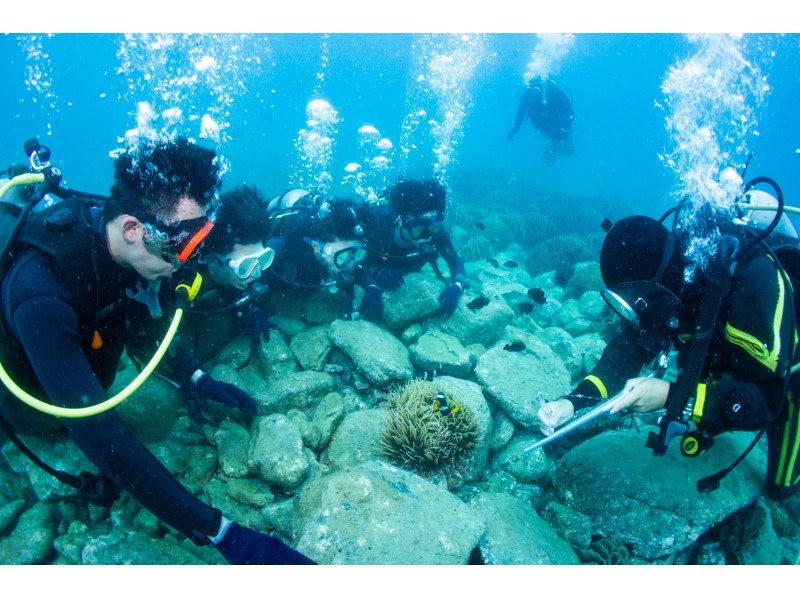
(402, 235)
(234, 258)
(317, 243)
(67, 262)
(550, 111)
(732, 325)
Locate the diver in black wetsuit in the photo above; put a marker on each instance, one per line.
(318, 245)
(402, 235)
(550, 111)
(64, 308)
(743, 376)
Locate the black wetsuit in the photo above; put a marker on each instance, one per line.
(548, 108)
(64, 313)
(379, 225)
(743, 379)
(296, 269)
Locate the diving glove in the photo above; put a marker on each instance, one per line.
(448, 300)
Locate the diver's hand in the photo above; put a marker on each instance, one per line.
(448, 300)
(390, 279)
(257, 325)
(554, 414)
(371, 307)
(642, 394)
(243, 546)
(225, 393)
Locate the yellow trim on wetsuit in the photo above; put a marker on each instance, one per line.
(599, 384)
(699, 403)
(784, 470)
(754, 347)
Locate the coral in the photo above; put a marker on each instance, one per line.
(560, 254)
(417, 437)
(586, 277)
(477, 247)
(533, 228)
(604, 551)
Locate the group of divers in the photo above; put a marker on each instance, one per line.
(81, 280)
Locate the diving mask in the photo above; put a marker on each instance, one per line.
(650, 308)
(348, 257)
(424, 227)
(245, 266)
(176, 244)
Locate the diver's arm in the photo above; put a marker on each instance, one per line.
(622, 359)
(522, 110)
(47, 328)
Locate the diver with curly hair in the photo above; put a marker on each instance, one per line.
(64, 311)
(403, 234)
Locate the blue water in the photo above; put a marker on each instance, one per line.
(614, 80)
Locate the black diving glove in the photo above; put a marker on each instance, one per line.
(243, 546)
(448, 300)
(256, 325)
(371, 307)
(389, 279)
(207, 388)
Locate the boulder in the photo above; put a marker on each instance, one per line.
(357, 439)
(276, 453)
(327, 416)
(516, 535)
(513, 378)
(417, 299)
(377, 354)
(438, 351)
(122, 547)
(525, 467)
(484, 325)
(379, 514)
(297, 390)
(31, 541)
(652, 504)
(311, 348)
(233, 443)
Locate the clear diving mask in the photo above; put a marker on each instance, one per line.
(178, 243)
(245, 266)
(650, 308)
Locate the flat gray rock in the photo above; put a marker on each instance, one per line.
(436, 350)
(276, 452)
(651, 503)
(513, 378)
(379, 514)
(517, 535)
(378, 355)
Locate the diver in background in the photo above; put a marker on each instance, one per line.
(402, 235)
(64, 308)
(550, 111)
(316, 244)
(745, 382)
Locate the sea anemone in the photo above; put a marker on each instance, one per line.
(420, 437)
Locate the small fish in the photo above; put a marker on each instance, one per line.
(478, 303)
(440, 405)
(525, 307)
(480, 225)
(511, 264)
(516, 346)
(537, 295)
(493, 262)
